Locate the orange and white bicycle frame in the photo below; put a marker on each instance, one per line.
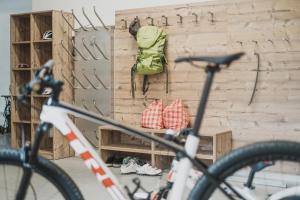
(58, 116)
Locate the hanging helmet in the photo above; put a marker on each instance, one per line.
(47, 35)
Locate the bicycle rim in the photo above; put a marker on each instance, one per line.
(282, 175)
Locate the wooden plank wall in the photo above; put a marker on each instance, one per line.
(270, 28)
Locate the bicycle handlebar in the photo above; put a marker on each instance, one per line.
(41, 78)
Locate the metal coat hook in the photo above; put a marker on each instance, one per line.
(81, 55)
(241, 43)
(124, 23)
(99, 79)
(78, 21)
(180, 19)
(83, 104)
(271, 41)
(68, 81)
(87, 18)
(212, 16)
(287, 40)
(99, 49)
(100, 18)
(196, 17)
(165, 21)
(80, 83)
(151, 22)
(65, 48)
(97, 108)
(88, 80)
(88, 50)
(62, 14)
(256, 79)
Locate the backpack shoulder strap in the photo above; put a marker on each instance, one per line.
(145, 84)
(132, 72)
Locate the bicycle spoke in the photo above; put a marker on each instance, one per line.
(33, 191)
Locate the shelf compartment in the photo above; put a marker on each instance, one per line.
(115, 138)
(205, 147)
(21, 54)
(42, 22)
(47, 140)
(38, 102)
(17, 138)
(20, 111)
(20, 30)
(20, 78)
(42, 53)
(105, 154)
(163, 162)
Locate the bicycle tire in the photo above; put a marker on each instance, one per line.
(46, 169)
(242, 157)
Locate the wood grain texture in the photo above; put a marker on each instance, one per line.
(27, 46)
(270, 28)
(112, 141)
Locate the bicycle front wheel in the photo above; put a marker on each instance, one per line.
(277, 167)
(47, 182)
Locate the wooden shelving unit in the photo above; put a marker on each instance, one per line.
(113, 142)
(28, 47)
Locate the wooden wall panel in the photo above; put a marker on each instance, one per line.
(270, 28)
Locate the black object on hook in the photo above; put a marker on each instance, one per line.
(151, 22)
(256, 79)
(196, 17)
(212, 16)
(165, 21)
(180, 19)
(78, 21)
(100, 18)
(124, 23)
(83, 12)
(62, 14)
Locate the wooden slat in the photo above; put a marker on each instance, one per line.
(274, 24)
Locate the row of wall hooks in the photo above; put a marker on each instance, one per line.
(93, 42)
(165, 21)
(97, 86)
(87, 18)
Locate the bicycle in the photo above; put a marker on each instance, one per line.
(5, 128)
(55, 113)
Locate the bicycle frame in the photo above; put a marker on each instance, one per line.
(56, 114)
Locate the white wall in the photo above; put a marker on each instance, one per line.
(105, 8)
(7, 7)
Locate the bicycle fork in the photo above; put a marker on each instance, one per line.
(28, 157)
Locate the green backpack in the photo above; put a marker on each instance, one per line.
(150, 60)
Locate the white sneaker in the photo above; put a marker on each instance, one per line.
(128, 166)
(147, 169)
